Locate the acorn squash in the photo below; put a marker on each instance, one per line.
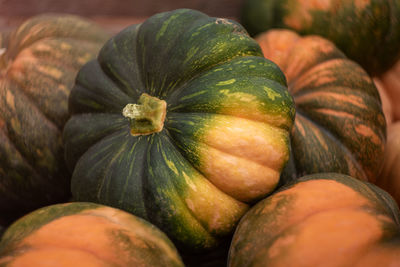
(324, 219)
(85, 234)
(38, 64)
(366, 31)
(181, 121)
(339, 125)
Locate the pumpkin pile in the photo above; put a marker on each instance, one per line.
(190, 140)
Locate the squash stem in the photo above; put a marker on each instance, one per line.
(147, 116)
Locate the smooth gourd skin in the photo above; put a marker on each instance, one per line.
(339, 125)
(324, 219)
(389, 177)
(85, 234)
(389, 83)
(387, 105)
(225, 137)
(38, 64)
(366, 31)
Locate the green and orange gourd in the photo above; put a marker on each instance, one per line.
(38, 64)
(85, 234)
(324, 219)
(366, 31)
(181, 121)
(339, 125)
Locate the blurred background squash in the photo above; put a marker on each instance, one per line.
(38, 64)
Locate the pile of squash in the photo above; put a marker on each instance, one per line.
(190, 140)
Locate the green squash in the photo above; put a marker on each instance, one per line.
(85, 234)
(181, 121)
(339, 125)
(324, 219)
(38, 64)
(366, 31)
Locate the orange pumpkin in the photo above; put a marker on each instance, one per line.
(85, 234)
(324, 219)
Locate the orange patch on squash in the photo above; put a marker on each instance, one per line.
(362, 4)
(299, 126)
(379, 255)
(303, 200)
(87, 234)
(17, 70)
(242, 157)
(275, 45)
(336, 236)
(367, 132)
(314, 76)
(238, 177)
(300, 12)
(306, 61)
(10, 100)
(51, 256)
(335, 113)
(106, 233)
(251, 140)
(334, 97)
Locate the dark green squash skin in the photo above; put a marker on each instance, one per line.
(38, 65)
(189, 60)
(368, 35)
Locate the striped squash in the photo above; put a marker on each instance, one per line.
(85, 234)
(38, 64)
(365, 30)
(324, 219)
(181, 121)
(339, 125)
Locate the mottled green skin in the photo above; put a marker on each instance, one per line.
(34, 107)
(180, 57)
(154, 254)
(257, 229)
(368, 35)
